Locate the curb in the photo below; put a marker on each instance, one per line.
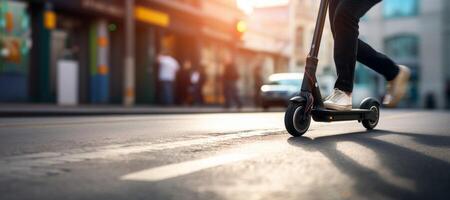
(84, 112)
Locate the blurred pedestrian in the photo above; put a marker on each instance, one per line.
(258, 82)
(168, 68)
(184, 83)
(447, 92)
(198, 79)
(230, 78)
(430, 101)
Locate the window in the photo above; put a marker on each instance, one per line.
(402, 46)
(193, 3)
(15, 43)
(397, 8)
(299, 38)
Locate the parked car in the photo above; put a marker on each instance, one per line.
(280, 88)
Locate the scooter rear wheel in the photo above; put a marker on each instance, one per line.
(373, 106)
(294, 120)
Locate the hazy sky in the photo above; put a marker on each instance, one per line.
(248, 5)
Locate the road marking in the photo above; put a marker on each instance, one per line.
(95, 120)
(30, 162)
(184, 168)
(241, 153)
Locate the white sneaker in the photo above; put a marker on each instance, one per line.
(338, 100)
(396, 89)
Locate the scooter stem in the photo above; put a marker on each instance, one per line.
(310, 91)
(320, 23)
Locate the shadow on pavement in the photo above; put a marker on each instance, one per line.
(431, 176)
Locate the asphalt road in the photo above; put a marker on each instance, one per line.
(224, 156)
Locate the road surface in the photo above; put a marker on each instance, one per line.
(224, 156)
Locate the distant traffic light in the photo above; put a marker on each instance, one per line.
(241, 26)
(240, 29)
(49, 17)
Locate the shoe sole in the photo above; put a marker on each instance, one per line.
(338, 107)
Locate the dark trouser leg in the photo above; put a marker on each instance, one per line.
(377, 61)
(168, 92)
(232, 94)
(227, 94)
(344, 19)
(236, 95)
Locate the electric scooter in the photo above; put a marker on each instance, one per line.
(309, 103)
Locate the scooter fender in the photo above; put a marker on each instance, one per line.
(368, 102)
(298, 99)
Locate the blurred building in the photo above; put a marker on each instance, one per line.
(303, 15)
(220, 39)
(265, 44)
(414, 33)
(287, 30)
(84, 41)
(15, 44)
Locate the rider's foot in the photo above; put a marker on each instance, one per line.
(338, 100)
(396, 88)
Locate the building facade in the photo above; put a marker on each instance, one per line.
(414, 33)
(303, 15)
(84, 40)
(265, 45)
(287, 30)
(15, 48)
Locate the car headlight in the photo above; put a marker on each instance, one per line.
(264, 88)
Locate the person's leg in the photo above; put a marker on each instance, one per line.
(377, 61)
(398, 76)
(344, 16)
(226, 91)
(366, 54)
(196, 94)
(257, 96)
(171, 92)
(160, 92)
(236, 95)
(164, 98)
(200, 94)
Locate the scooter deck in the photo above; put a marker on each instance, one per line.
(324, 115)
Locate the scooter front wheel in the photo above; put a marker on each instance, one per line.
(295, 120)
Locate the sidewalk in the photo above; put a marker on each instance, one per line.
(37, 110)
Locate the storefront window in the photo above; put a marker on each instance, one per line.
(397, 8)
(14, 36)
(402, 46)
(15, 44)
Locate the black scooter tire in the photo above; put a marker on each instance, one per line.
(374, 106)
(293, 115)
